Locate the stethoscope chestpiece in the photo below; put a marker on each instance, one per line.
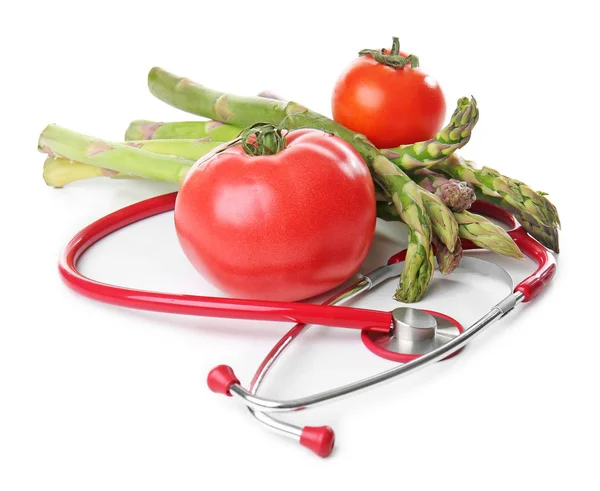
(414, 333)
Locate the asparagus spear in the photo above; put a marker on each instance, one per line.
(471, 226)
(59, 171)
(486, 234)
(211, 130)
(533, 210)
(435, 150)
(418, 271)
(444, 224)
(445, 233)
(191, 149)
(406, 197)
(147, 130)
(246, 111)
(121, 158)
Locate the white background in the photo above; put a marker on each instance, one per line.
(95, 397)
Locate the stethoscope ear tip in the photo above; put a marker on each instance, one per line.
(220, 379)
(319, 439)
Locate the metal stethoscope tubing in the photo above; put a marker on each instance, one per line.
(231, 386)
(282, 427)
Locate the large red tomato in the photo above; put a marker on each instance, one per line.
(390, 106)
(279, 227)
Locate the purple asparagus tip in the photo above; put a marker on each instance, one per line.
(457, 195)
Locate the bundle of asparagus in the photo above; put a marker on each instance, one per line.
(425, 185)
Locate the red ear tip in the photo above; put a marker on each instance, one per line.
(319, 439)
(220, 379)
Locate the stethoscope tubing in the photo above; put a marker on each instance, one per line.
(304, 313)
(205, 306)
(283, 427)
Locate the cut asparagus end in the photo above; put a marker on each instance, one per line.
(59, 172)
(417, 272)
(121, 158)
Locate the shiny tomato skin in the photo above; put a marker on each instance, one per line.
(390, 106)
(282, 227)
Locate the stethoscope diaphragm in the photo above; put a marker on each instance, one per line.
(414, 333)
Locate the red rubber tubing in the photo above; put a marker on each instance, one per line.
(302, 313)
(192, 304)
(531, 286)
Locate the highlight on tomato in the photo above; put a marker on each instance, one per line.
(277, 216)
(386, 96)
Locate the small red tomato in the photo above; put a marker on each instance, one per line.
(287, 226)
(390, 106)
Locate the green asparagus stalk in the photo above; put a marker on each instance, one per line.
(209, 130)
(487, 235)
(442, 220)
(476, 228)
(452, 137)
(121, 158)
(448, 258)
(406, 197)
(533, 210)
(187, 149)
(246, 111)
(417, 272)
(147, 130)
(59, 172)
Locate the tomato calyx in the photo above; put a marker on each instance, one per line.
(263, 139)
(392, 59)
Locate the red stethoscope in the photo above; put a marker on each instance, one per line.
(411, 337)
